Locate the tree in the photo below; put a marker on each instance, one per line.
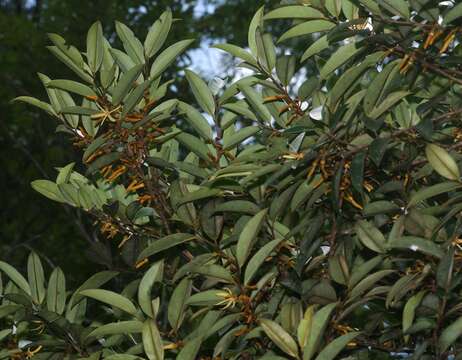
(267, 220)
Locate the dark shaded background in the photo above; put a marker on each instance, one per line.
(29, 148)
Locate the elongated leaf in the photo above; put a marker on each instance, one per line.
(417, 244)
(71, 86)
(177, 303)
(248, 237)
(157, 34)
(16, 277)
(121, 327)
(201, 92)
(146, 284)
(56, 292)
(131, 44)
(431, 191)
(294, 12)
(319, 325)
(256, 102)
(194, 145)
(391, 100)
(166, 57)
(280, 337)
(307, 28)
(256, 22)
(370, 236)
(152, 342)
(450, 334)
(37, 103)
(409, 311)
(190, 350)
(336, 346)
(125, 84)
(48, 189)
(165, 243)
(93, 282)
(95, 46)
(111, 298)
(397, 7)
(442, 162)
(36, 277)
(240, 136)
(237, 52)
(197, 121)
(258, 259)
(135, 97)
(340, 57)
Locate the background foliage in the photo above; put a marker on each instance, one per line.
(303, 211)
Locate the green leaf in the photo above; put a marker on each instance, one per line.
(285, 68)
(256, 102)
(206, 298)
(157, 34)
(201, 92)
(194, 145)
(417, 244)
(442, 162)
(237, 52)
(306, 28)
(36, 277)
(334, 7)
(93, 282)
(214, 271)
(370, 236)
(431, 191)
(385, 105)
(318, 327)
(258, 259)
(315, 48)
(121, 327)
(135, 97)
(256, 22)
(154, 274)
(453, 14)
(336, 346)
(238, 137)
(266, 50)
(450, 334)
(294, 12)
(364, 269)
(131, 44)
(396, 7)
(444, 272)
(409, 311)
(152, 342)
(248, 236)
(200, 194)
(71, 86)
(197, 121)
(95, 46)
(48, 189)
(190, 350)
(37, 103)
(56, 292)
(339, 58)
(125, 84)
(240, 206)
(111, 298)
(368, 282)
(16, 277)
(166, 57)
(377, 88)
(280, 337)
(177, 303)
(165, 243)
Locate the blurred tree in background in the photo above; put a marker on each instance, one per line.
(28, 147)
